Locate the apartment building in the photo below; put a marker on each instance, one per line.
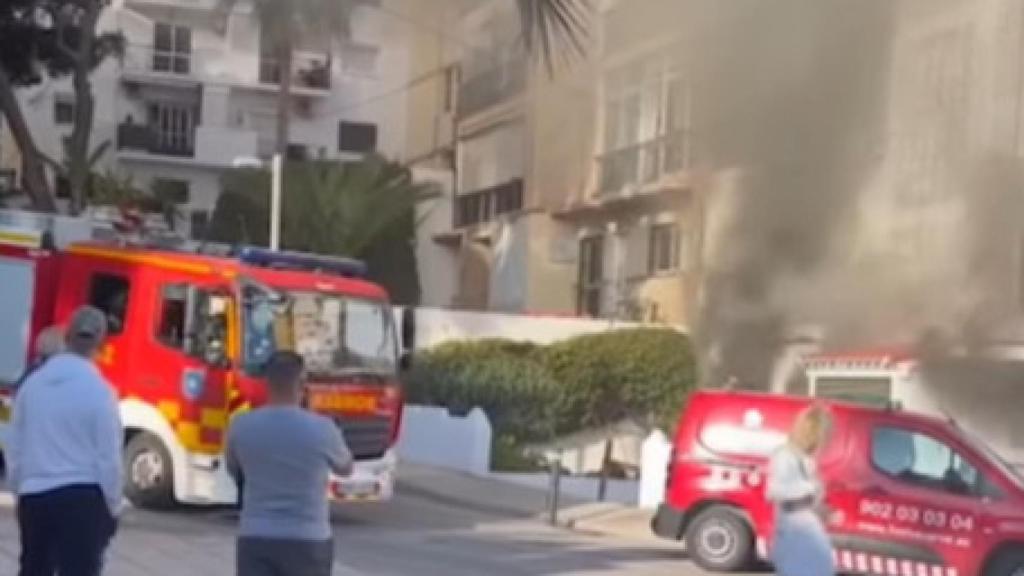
(573, 191)
(195, 94)
(946, 213)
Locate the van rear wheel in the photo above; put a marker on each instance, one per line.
(719, 540)
(149, 473)
(1007, 563)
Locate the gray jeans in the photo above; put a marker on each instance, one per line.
(279, 557)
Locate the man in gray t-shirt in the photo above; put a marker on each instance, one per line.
(282, 456)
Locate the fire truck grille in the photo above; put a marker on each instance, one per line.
(367, 438)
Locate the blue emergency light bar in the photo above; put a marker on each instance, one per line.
(300, 261)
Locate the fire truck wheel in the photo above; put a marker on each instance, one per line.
(149, 476)
(1007, 563)
(719, 540)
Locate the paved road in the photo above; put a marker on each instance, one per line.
(412, 535)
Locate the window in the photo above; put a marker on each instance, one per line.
(174, 128)
(198, 221)
(109, 293)
(646, 121)
(194, 321)
(63, 110)
(919, 459)
(663, 250)
(172, 49)
(591, 276)
(485, 205)
(173, 311)
(171, 190)
(357, 137)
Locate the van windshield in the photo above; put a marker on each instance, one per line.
(1008, 470)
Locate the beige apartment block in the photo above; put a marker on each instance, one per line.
(575, 191)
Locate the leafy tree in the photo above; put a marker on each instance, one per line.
(362, 209)
(54, 37)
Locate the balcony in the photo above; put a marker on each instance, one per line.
(151, 140)
(643, 163)
(492, 87)
(309, 71)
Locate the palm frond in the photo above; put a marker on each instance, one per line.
(555, 29)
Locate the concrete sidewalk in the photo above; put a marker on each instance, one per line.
(494, 496)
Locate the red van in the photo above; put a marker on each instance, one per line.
(910, 495)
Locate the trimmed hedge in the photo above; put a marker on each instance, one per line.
(505, 379)
(531, 392)
(642, 373)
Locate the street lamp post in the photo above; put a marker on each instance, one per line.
(276, 176)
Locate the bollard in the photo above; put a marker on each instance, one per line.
(555, 487)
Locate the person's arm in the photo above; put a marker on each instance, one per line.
(14, 449)
(234, 467)
(786, 480)
(339, 458)
(109, 439)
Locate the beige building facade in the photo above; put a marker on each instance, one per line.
(575, 192)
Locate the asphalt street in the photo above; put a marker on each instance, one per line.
(412, 535)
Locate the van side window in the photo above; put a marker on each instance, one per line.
(173, 308)
(919, 459)
(109, 293)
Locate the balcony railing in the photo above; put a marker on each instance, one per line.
(492, 87)
(312, 72)
(644, 163)
(153, 140)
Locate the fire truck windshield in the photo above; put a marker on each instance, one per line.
(336, 334)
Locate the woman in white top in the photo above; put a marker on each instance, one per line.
(801, 546)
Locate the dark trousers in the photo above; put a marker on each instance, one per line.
(280, 557)
(64, 531)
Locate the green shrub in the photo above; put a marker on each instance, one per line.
(532, 393)
(505, 379)
(643, 373)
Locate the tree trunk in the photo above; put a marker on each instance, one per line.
(33, 172)
(78, 150)
(284, 93)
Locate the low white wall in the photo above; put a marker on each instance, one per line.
(430, 435)
(582, 487)
(438, 325)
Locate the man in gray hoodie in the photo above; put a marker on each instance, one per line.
(64, 457)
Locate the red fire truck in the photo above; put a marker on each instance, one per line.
(189, 333)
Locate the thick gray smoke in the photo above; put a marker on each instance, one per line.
(791, 93)
(826, 223)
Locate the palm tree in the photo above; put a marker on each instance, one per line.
(554, 28)
(333, 208)
(282, 24)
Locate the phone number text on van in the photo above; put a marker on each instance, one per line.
(908, 514)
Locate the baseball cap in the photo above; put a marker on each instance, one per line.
(88, 325)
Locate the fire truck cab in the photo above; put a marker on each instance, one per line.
(188, 335)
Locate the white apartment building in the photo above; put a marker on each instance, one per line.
(196, 91)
